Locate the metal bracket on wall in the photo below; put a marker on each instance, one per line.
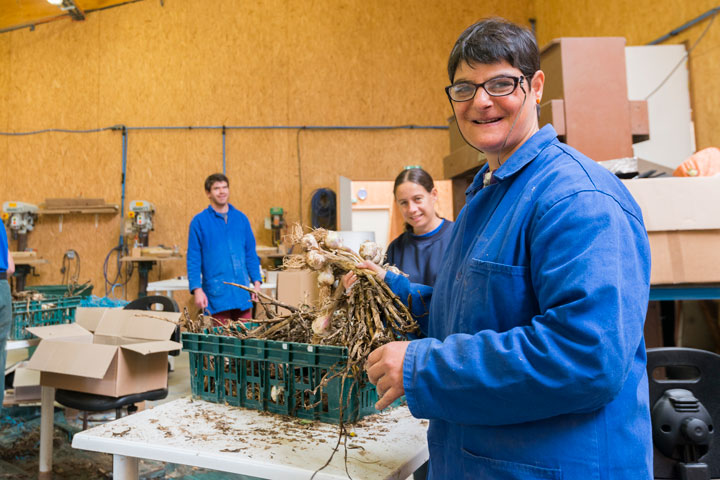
(73, 10)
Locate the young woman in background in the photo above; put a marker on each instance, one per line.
(419, 250)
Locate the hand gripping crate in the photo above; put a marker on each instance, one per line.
(53, 310)
(276, 377)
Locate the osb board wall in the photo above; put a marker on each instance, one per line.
(640, 22)
(226, 62)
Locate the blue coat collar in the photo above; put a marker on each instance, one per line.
(524, 155)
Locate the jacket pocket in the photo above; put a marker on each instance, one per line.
(214, 288)
(501, 295)
(475, 467)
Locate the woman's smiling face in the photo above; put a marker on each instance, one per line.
(492, 124)
(417, 206)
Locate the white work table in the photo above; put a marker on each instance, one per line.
(390, 445)
(174, 284)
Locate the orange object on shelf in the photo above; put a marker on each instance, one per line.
(704, 163)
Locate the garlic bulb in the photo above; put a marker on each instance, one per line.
(326, 277)
(394, 269)
(308, 242)
(277, 393)
(315, 259)
(321, 325)
(333, 239)
(371, 251)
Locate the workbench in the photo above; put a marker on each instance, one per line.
(145, 264)
(684, 291)
(182, 284)
(389, 445)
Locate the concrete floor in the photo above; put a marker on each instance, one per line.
(69, 463)
(178, 386)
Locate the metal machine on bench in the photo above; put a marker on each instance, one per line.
(20, 218)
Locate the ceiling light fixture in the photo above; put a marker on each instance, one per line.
(55, 2)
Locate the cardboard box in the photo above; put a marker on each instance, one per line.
(127, 353)
(463, 162)
(26, 384)
(297, 287)
(682, 217)
(456, 139)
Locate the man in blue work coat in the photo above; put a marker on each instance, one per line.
(221, 248)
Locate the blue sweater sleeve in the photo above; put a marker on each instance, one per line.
(194, 256)
(589, 268)
(415, 296)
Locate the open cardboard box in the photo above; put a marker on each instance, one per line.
(682, 217)
(297, 287)
(108, 351)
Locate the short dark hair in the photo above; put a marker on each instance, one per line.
(492, 40)
(414, 175)
(213, 179)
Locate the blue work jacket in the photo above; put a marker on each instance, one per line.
(534, 365)
(222, 252)
(4, 249)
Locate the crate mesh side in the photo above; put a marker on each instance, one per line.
(278, 377)
(41, 313)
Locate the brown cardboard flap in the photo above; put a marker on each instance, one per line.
(146, 325)
(24, 377)
(145, 348)
(678, 203)
(87, 360)
(89, 317)
(69, 332)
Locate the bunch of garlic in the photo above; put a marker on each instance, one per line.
(315, 259)
(333, 240)
(371, 251)
(308, 242)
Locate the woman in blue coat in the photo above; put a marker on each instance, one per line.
(534, 361)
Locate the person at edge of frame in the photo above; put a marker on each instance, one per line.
(7, 268)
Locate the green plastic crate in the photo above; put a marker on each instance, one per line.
(62, 290)
(53, 310)
(275, 377)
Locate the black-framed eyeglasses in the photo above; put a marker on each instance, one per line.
(495, 87)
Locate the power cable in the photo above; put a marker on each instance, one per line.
(69, 278)
(116, 281)
(686, 56)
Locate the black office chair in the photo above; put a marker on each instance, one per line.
(684, 401)
(89, 402)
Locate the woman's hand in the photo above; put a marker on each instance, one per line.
(368, 265)
(349, 279)
(385, 370)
